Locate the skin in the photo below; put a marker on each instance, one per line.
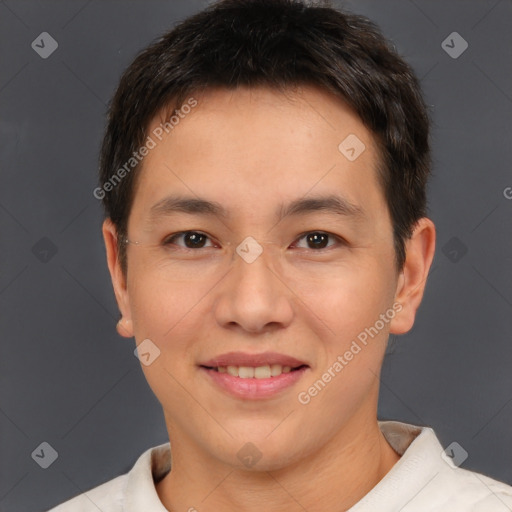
(251, 150)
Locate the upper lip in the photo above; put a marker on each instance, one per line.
(244, 359)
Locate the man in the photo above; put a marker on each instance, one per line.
(263, 174)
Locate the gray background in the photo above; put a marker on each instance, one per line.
(69, 380)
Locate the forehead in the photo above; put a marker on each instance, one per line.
(253, 149)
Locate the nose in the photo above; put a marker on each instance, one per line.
(253, 297)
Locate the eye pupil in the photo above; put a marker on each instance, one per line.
(196, 239)
(319, 240)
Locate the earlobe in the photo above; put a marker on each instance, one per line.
(125, 325)
(412, 280)
(124, 328)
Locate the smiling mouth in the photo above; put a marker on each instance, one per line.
(258, 372)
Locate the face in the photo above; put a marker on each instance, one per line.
(291, 266)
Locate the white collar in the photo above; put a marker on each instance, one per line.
(421, 462)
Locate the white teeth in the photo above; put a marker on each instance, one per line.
(233, 370)
(275, 370)
(260, 372)
(245, 372)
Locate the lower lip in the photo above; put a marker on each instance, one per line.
(254, 388)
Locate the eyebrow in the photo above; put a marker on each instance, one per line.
(198, 206)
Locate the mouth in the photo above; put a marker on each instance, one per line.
(253, 376)
(259, 372)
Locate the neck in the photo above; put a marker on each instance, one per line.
(335, 477)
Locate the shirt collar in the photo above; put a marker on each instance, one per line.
(150, 468)
(419, 444)
(420, 463)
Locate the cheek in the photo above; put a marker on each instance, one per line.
(168, 317)
(351, 300)
(172, 316)
(159, 306)
(353, 337)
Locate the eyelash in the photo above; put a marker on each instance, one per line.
(169, 240)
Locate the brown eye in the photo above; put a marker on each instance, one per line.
(317, 240)
(191, 239)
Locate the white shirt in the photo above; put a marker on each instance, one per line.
(422, 480)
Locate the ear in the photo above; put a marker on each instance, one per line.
(413, 277)
(125, 325)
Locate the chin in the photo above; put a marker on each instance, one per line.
(262, 452)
